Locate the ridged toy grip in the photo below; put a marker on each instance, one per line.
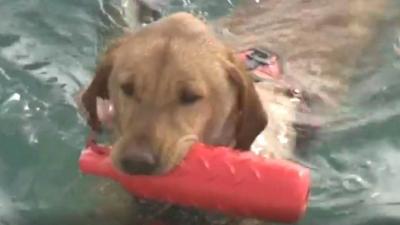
(217, 179)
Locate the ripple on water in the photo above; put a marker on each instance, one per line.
(354, 183)
(8, 39)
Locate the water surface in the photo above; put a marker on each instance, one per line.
(48, 50)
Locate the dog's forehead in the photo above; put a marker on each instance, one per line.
(155, 54)
(182, 29)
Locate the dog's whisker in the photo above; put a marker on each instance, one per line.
(188, 138)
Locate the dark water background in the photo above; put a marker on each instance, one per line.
(48, 50)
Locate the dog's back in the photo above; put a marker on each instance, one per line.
(320, 40)
(321, 43)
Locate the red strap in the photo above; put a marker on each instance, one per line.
(270, 70)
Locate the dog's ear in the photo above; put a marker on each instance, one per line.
(252, 119)
(98, 88)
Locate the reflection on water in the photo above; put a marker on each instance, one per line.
(48, 50)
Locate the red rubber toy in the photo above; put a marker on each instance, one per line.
(219, 179)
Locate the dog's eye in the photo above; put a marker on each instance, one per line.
(188, 97)
(127, 89)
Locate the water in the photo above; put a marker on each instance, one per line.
(48, 50)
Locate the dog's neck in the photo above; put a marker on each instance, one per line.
(224, 135)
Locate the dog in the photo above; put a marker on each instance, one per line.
(185, 86)
(174, 82)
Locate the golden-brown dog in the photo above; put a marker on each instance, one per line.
(171, 84)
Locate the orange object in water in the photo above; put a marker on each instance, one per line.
(217, 179)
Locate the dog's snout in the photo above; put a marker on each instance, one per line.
(138, 163)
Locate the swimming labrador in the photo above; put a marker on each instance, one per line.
(178, 57)
(174, 82)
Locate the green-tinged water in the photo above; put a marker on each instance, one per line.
(48, 50)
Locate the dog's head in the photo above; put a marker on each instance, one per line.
(172, 84)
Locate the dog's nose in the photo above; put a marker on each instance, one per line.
(138, 163)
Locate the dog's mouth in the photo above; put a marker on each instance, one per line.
(180, 149)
